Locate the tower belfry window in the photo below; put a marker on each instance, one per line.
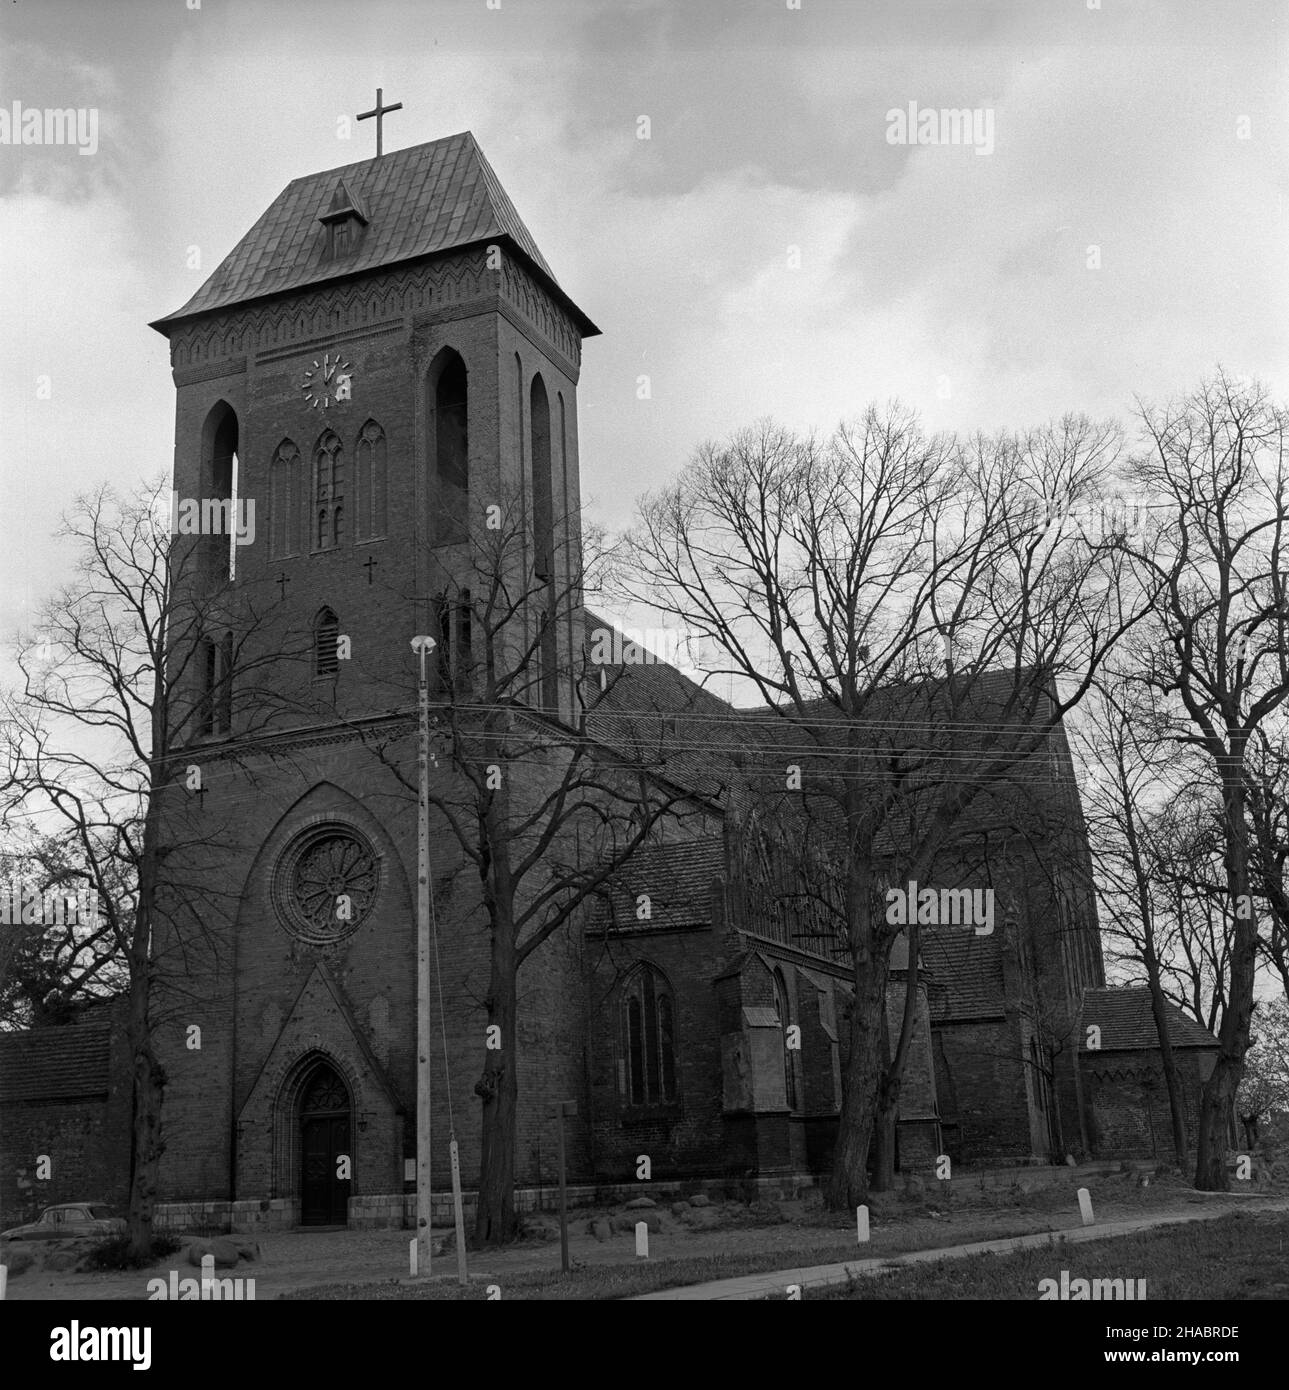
(326, 643)
(216, 544)
(450, 447)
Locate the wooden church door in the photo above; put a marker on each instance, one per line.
(324, 1142)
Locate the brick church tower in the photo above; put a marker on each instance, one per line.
(383, 373)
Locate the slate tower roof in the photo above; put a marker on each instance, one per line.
(419, 202)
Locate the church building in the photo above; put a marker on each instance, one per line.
(387, 368)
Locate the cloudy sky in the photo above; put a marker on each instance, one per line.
(766, 250)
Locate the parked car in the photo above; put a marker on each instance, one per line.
(69, 1219)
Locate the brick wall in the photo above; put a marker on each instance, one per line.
(687, 1136)
(255, 991)
(85, 1136)
(1129, 1114)
(981, 1087)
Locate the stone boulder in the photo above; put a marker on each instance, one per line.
(700, 1199)
(222, 1250)
(624, 1223)
(702, 1219)
(226, 1253)
(17, 1259)
(539, 1226)
(679, 1208)
(640, 1204)
(601, 1228)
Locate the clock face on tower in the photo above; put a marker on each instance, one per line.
(327, 381)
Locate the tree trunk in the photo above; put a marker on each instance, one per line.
(888, 1105)
(148, 1074)
(888, 1091)
(1151, 960)
(848, 1186)
(149, 1083)
(495, 1222)
(1172, 1081)
(1233, 1039)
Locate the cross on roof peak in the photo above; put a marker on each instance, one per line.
(379, 111)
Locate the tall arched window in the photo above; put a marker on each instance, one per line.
(543, 521)
(370, 486)
(218, 496)
(544, 542)
(453, 653)
(326, 642)
(284, 500)
(215, 667)
(648, 1038)
(450, 441)
(328, 492)
(784, 1010)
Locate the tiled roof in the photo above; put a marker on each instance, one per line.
(653, 714)
(417, 202)
(55, 1063)
(937, 732)
(1127, 1023)
(964, 974)
(677, 877)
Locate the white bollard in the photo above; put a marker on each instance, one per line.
(861, 1223)
(4, 1281)
(642, 1240)
(411, 1249)
(1085, 1205)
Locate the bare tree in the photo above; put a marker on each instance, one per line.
(49, 969)
(1269, 817)
(1217, 652)
(1127, 812)
(116, 699)
(544, 811)
(1264, 1089)
(906, 608)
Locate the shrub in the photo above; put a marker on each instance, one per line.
(17, 1259)
(114, 1253)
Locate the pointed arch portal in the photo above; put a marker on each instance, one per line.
(326, 1151)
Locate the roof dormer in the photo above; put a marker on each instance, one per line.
(344, 219)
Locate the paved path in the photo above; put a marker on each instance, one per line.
(753, 1286)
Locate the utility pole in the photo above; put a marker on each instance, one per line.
(423, 646)
(562, 1110)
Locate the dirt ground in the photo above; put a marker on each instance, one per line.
(293, 1262)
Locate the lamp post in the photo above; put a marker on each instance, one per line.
(423, 646)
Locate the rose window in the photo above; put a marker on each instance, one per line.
(327, 884)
